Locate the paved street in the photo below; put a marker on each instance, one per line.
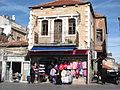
(25, 86)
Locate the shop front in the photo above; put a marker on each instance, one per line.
(71, 63)
(16, 69)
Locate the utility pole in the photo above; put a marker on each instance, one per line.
(119, 22)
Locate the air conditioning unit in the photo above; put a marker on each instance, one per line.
(94, 55)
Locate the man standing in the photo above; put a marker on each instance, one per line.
(32, 74)
(103, 75)
(53, 75)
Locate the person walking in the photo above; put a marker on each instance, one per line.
(53, 75)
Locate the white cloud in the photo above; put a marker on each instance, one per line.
(12, 6)
(104, 4)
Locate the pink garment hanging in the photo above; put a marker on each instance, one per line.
(72, 72)
(84, 65)
(79, 65)
(71, 65)
(75, 65)
(85, 72)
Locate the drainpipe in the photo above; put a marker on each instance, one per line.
(10, 72)
(88, 67)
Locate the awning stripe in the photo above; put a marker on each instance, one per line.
(52, 48)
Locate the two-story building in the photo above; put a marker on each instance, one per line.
(13, 49)
(63, 31)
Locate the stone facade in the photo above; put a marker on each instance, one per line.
(100, 23)
(82, 15)
(12, 30)
(13, 49)
(86, 23)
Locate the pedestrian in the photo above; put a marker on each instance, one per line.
(103, 75)
(98, 76)
(32, 74)
(53, 75)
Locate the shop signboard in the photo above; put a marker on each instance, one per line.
(15, 58)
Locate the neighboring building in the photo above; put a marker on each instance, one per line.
(64, 31)
(100, 37)
(11, 29)
(13, 49)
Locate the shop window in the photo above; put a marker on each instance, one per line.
(44, 27)
(36, 38)
(99, 35)
(72, 26)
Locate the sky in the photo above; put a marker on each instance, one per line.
(108, 8)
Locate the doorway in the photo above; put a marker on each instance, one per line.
(16, 67)
(58, 31)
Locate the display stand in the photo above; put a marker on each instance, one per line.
(42, 76)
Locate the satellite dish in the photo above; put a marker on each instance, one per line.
(13, 17)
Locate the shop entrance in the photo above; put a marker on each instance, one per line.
(11, 69)
(16, 67)
(77, 65)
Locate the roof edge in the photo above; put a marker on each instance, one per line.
(37, 7)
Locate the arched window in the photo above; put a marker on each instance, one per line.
(44, 27)
(72, 26)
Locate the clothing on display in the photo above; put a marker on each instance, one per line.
(42, 75)
(84, 65)
(66, 76)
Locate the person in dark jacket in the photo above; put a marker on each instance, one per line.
(103, 75)
(32, 75)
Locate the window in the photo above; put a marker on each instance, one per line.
(99, 35)
(36, 38)
(44, 27)
(72, 26)
(18, 38)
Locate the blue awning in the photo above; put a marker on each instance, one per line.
(52, 48)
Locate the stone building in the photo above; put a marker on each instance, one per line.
(100, 37)
(13, 48)
(64, 31)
